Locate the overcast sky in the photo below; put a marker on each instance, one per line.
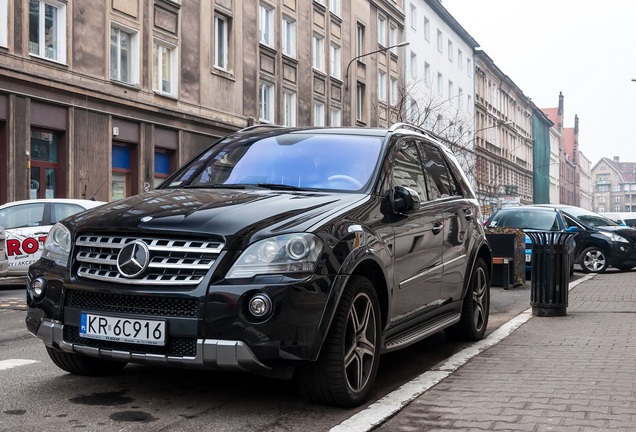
(583, 48)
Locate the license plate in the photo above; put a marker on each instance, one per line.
(128, 330)
(528, 257)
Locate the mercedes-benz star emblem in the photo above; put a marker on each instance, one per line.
(133, 259)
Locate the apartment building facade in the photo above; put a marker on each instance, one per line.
(503, 138)
(614, 186)
(104, 99)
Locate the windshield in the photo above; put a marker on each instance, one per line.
(589, 218)
(312, 161)
(525, 219)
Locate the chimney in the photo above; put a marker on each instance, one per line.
(617, 159)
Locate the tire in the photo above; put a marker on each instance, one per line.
(475, 307)
(82, 365)
(348, 362)
(593, 260)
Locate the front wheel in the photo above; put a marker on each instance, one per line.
(475, 307)
(82, 365)
(593, 260)
(348, 362)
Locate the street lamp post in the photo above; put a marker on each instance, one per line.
(346, 78)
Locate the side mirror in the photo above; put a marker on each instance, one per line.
(573, 229)
(404, 200)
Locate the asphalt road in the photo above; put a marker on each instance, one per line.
(36, 395)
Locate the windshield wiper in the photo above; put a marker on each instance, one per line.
(278, 186)
(215, 186)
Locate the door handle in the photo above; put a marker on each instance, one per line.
(437, 228)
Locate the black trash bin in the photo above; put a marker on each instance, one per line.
(550, 273)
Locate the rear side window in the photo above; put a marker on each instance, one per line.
(61, 211)
(407, 169)
(438, 176)
(20, 216)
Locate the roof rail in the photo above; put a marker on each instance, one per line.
(396, 126)
(259, 126)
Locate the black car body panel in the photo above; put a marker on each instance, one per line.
(194, 261)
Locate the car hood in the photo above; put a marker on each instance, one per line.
(627, 232)
(230, 214)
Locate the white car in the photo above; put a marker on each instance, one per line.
(27, 223)
(4, 262)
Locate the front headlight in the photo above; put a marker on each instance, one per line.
(289, 253)
(57, 245)
(614, 237)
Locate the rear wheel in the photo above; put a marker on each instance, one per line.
(476, 305)
(593, 260)
(82, 365)
(348, 362)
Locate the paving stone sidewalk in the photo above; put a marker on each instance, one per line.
(571, 373)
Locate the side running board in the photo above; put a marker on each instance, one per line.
(422, 331)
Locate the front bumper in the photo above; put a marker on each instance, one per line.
(210, 353)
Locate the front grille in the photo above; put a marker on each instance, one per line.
(172, 262)
(133, 304)
(178, 346)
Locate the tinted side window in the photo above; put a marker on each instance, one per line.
(407, 169)
(438, 176)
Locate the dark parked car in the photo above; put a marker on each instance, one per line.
(600, 242)
(297, 253)
(533, 218)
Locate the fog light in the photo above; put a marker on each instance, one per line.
(260, 305)
(38, 287)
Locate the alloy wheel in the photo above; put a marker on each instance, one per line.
(360, 342)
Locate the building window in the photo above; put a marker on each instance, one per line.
(266, 25)
(335, 68)
(617, 200)
(122, 171)
(451, 89)
(359, 39)
(394, 91)
(47, 29)
(334, 7)
(289, 108)
(469, 103)
(450, 50)
(45, 164)
(360, 102)
(440, 83)
(469, 67)
(266, 102)
(289, 37)
(4, 23)
(319, 113)
(440, 41)
(382, 31)
(164, 165)
(460, 97)
(427, 29)
(413, 10)
(617, 208)
(221, 41)
(601, 209)
(413, 65)
(428, 79)
(617, 188)
(393, 38)
(123, 55)
(164, 69)
(460, 59)
(336, 117)
(317, 53)
(382, 86)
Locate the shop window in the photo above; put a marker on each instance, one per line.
(123, 171)
(164, 162)
(45, 164)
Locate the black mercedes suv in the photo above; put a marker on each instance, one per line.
(297, 253)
